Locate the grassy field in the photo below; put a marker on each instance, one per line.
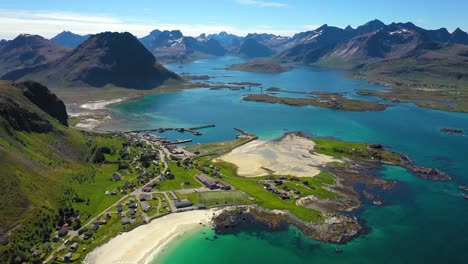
(181, 178)
(216, 149)
(262, 197)
(339, 149)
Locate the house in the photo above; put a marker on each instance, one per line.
(183, 203)
(47, 245)
(95, 226)
(37, 253)
(142, 197)
(125, 221)
(63, 231)
(133, 205)
(132, 211)
(74, 246)
(146, 188)
(56, 238)
(116, 176)
(67, 257)
(119, 208)
(88, 235)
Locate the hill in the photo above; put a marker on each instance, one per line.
(69, 39)
(28, 50)
(117, 59)
(34, 145)
(51, 174)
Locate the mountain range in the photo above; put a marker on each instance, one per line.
(107, 58)
(121, 59)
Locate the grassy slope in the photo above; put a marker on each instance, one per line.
(37, 169)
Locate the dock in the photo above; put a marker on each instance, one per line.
(245, 134)
(181, 129)
(180, 141)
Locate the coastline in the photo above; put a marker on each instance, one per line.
(94, 114)
(145, 242)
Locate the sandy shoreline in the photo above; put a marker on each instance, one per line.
(94, 114)
(291, 155)
(144, 242)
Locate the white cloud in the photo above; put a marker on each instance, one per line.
(261, 3)
(50, 23)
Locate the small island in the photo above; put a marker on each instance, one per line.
(320, 99)
(259, 66)
(451, 130)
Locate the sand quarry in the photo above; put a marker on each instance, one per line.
(290, 155)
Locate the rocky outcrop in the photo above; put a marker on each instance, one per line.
(336, 228)
(18, 110)
(45, 100)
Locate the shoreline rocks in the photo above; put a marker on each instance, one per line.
(335, 228)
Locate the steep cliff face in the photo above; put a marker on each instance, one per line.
(45, 100)
(19, 105)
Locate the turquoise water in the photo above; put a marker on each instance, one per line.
(422, 222)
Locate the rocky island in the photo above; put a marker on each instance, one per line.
(320, 99)
(259, 66)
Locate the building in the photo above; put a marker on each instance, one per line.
(67, 257)
(207, 181)
(63, 231)
(182, 203)
(74, 246)
(88, 234)
(142, 197)
(116, 176)
(125, 221)
(212, 183)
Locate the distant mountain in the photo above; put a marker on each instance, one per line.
(69, 39)
(251, 48)
(28, 50)
(458, 37)
(373, 41)
(270, 40)
(3, 43)
(369, 27)
(228, 41)
(107, 58)
(174, 46)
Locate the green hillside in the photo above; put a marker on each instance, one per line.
(47, 169)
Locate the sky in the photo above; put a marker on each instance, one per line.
(193, 17)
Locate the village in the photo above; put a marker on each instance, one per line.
(156, 178)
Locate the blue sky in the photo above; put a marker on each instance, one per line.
(192, 17)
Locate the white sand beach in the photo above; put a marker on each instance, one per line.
(101, 104)
(292, 155)
(138, 245)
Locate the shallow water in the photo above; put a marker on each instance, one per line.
(422, 221)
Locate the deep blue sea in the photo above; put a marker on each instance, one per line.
(422, 221)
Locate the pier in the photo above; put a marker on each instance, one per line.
(245, 134)
(161, 130)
